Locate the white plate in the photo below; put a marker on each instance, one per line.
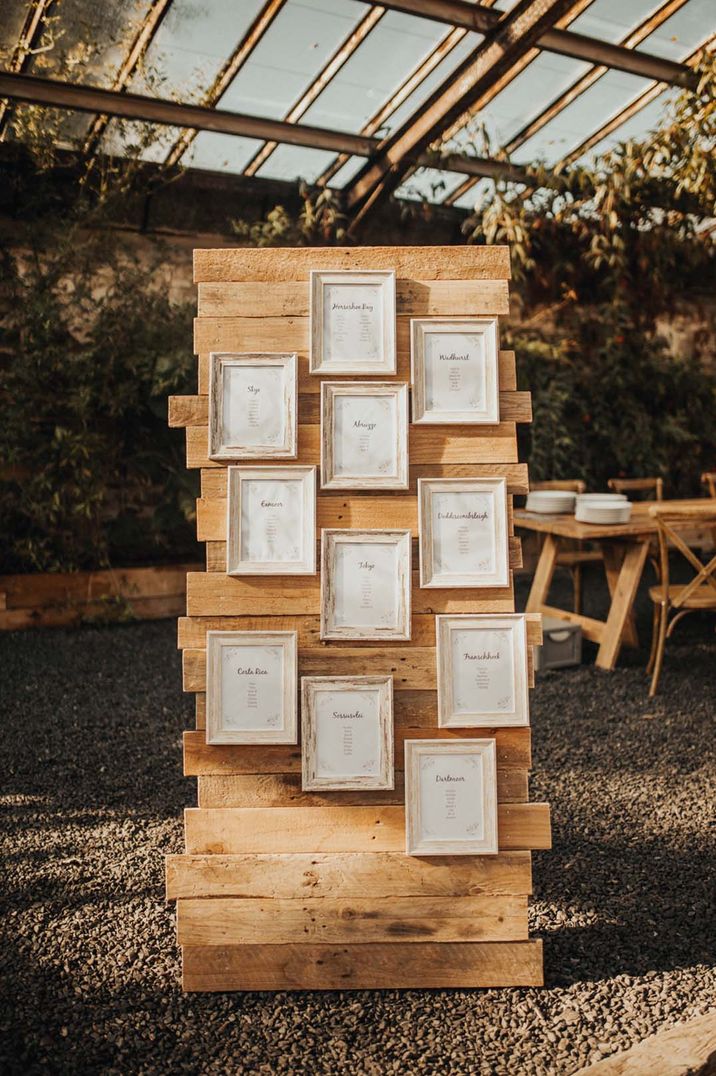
(550, 502)
(604, 512)
(608, 497)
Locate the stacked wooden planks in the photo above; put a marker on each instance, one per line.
(284, 889)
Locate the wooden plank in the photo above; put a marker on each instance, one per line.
(213, 480)
(194, 410)
(349, 874)
(201, 759)
(291, 334)
(688, 1047)
(284, 790)
(291, 298)
(100, 611)
(232, 830)
(44, 589)
(191, 631)
(401, 965)
(339, 921)
(295, 263)
(426, 444)
(213, 594)
(591, 629)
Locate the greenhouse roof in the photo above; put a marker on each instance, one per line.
(349, 93)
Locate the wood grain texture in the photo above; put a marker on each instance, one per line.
(426, 444)
(191, 630)
(291, 334)
(338, 921)
(237, 830)
(291, 298)
(400, 965)
(347, 874)
(284, 790)
(212, 594)
(202, 759)
(295, 263)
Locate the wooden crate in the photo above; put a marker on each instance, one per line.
(281, 889)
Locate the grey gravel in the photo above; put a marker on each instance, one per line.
(92, 800)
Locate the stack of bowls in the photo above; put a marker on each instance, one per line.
(602, 508)
(551, 502)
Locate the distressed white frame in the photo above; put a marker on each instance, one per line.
(320, 360)
(420, 328)
(499, 576)
(311, 688)
(511, 631)
(219, 362)
(419, 840)
(396, 436)
(286, 729)
(305, 526)
(330, 541)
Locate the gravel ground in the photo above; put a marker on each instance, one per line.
(92, 800)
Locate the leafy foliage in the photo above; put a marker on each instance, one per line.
(319, 221)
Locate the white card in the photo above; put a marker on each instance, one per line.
(451, 797)
(271, 520)
(353, 321)
(348, 740)
(483, 671)
(251, 687)
(463, 532)
(365, 440)
(252, 413)
(365, 584)
(455, 374)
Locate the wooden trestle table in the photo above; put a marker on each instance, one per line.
(624, 546)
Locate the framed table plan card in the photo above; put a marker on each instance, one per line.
(364, 435)
(454, 370)
(463, 532)
(365, 584)
(271, 525)
(251, 687)
(352, 322)
(450, 797)
(252, 406)
(482, 670)
(347, 732)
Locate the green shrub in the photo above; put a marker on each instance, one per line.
(90, 347)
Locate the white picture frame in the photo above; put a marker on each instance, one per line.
(271, 521)
(454, 370)
(352, 321)
(483, 678)
(347, 732)
(251, 687)
(365, 584)
(252, 405)
(450, 797)
(364, 435)
(463, 532)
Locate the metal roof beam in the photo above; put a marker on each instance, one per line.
(565, 42)
(134, 106)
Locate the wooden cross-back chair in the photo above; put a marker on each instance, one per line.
(653, 485)
(708, 479)
(672, 601)
(576, 555)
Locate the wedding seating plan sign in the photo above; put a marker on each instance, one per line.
(347, 732)
(454, 370)
(251, 687)
(352, 322)
(365, 584)
(463, 532)
(450, 797)
(252, 406)
(482, 671)
(364, 435)
(271, 526)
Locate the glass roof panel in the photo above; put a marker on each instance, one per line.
(637, 127)
(469, 199)
(429, 184)
(684, 32)
(345, 174)
(193, 42)
(296, 162)
(611, 20)
(11, 24)
(220, 152)
(574, 123)
(290, 54)
(379, 65)
(443, 70)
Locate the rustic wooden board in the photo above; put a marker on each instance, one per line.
(284, 790)
(347, 874)
(203, 759)
(400, 965)
(239, 921)
(233, 830)
(426, 263)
